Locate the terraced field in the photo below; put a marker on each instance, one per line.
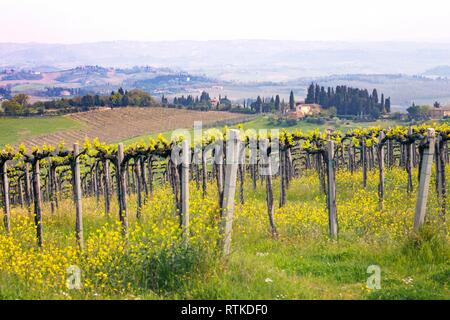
(125, 123)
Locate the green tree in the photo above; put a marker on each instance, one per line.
(418, 112)
(291, 101)
(12, 107)
(277, 103)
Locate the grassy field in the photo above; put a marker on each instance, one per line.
(302, 264)
(16, 130)
(265, 122)
(103, 125)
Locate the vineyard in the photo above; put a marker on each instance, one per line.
(233, 214)
(108, 125)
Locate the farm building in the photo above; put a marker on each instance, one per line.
(214, 102)
(438, 113)
(302, 110)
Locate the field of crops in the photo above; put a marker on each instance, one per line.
(107, 125)
(149, 227)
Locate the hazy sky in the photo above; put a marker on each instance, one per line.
(73, 21)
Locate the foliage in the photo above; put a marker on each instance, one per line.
(19, 105)
(349, 101)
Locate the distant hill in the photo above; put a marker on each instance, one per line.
(98, 79)
(240, 60)
(439, 71)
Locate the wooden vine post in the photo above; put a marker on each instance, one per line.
(138, 185)
(381, 169)
(424, 184)
(440, 174)
(204, 172)
(77, 196)
(28, 193)
(106, 189)
(150, 175)
(266, 162)
(226, 224)
(122, 188)
(283, 172)
(253, 160)
(6, 202)
(331, 194)
(364, 161)
(37, 200)
(409, 161)
(185, 164)
(241, 169)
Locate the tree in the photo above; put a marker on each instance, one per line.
(375, 96)
(87, 102)
(418, 112)
(125, 101)
(12, 107)
(310, 97)
(387, 105)
(258, 105)
(316, 94)
(21, 99)
(291, 101)
(348, 101)
(277, 103)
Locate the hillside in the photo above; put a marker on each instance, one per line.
(125, 123)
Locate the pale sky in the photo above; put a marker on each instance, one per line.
(63, 21)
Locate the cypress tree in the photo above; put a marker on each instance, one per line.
(291, 101)
(277, 102)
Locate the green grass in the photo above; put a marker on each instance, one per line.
(15, 130)
(266, 122)
(302, 264)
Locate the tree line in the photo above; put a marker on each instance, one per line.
(19, 104)
(349, 101)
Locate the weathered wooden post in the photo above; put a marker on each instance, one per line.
(409, 162)
(6, 201)
(424, 184)
(219, 162)
(138, 184)
(143, 177)
(364, 161)
(253, 160)
(381, 169)
(204, 172)
(241, 171)
(185, 164)
(331, 194)
(77, 196)
(20, 186)
(37, 200)
(267, 165)
(440, 174)
(229, 189)
(106, 189)
(28, 193)
(150, 174)
(122, 169)
(283, 179)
